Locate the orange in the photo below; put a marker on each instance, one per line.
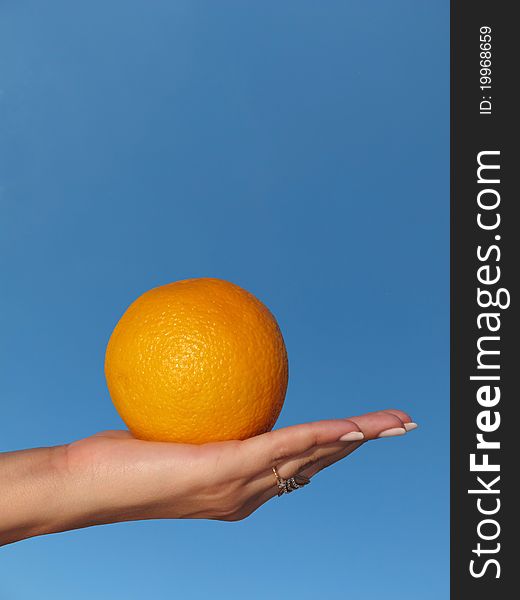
(197, 361)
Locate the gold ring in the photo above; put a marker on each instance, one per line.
(285, 486)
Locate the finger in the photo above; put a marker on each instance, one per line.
(306, 461)
(373, 425)
(269, 449)
(265, 487)
(408, 422)
(326, 461)
(379, 424)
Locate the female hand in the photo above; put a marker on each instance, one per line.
(113, 476)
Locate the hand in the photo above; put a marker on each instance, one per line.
(112, 476)
(222, 480)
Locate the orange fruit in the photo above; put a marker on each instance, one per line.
(195, 361)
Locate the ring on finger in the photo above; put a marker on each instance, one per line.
(286, 486)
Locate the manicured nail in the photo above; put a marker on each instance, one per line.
(353, 436)
(392, 432)
(410, 426)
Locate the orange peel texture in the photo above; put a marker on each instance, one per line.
(196, 361)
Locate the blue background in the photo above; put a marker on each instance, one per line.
(298, 149)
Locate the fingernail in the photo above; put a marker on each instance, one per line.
(410, 426)
(353, 436)
(392, 432)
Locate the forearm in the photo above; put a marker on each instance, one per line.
(40, 492)
(31, 491)
(46, 490)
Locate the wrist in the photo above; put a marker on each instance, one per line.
(107, 487)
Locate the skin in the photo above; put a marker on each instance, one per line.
(112, 476)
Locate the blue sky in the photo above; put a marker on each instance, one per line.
(298, 149)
